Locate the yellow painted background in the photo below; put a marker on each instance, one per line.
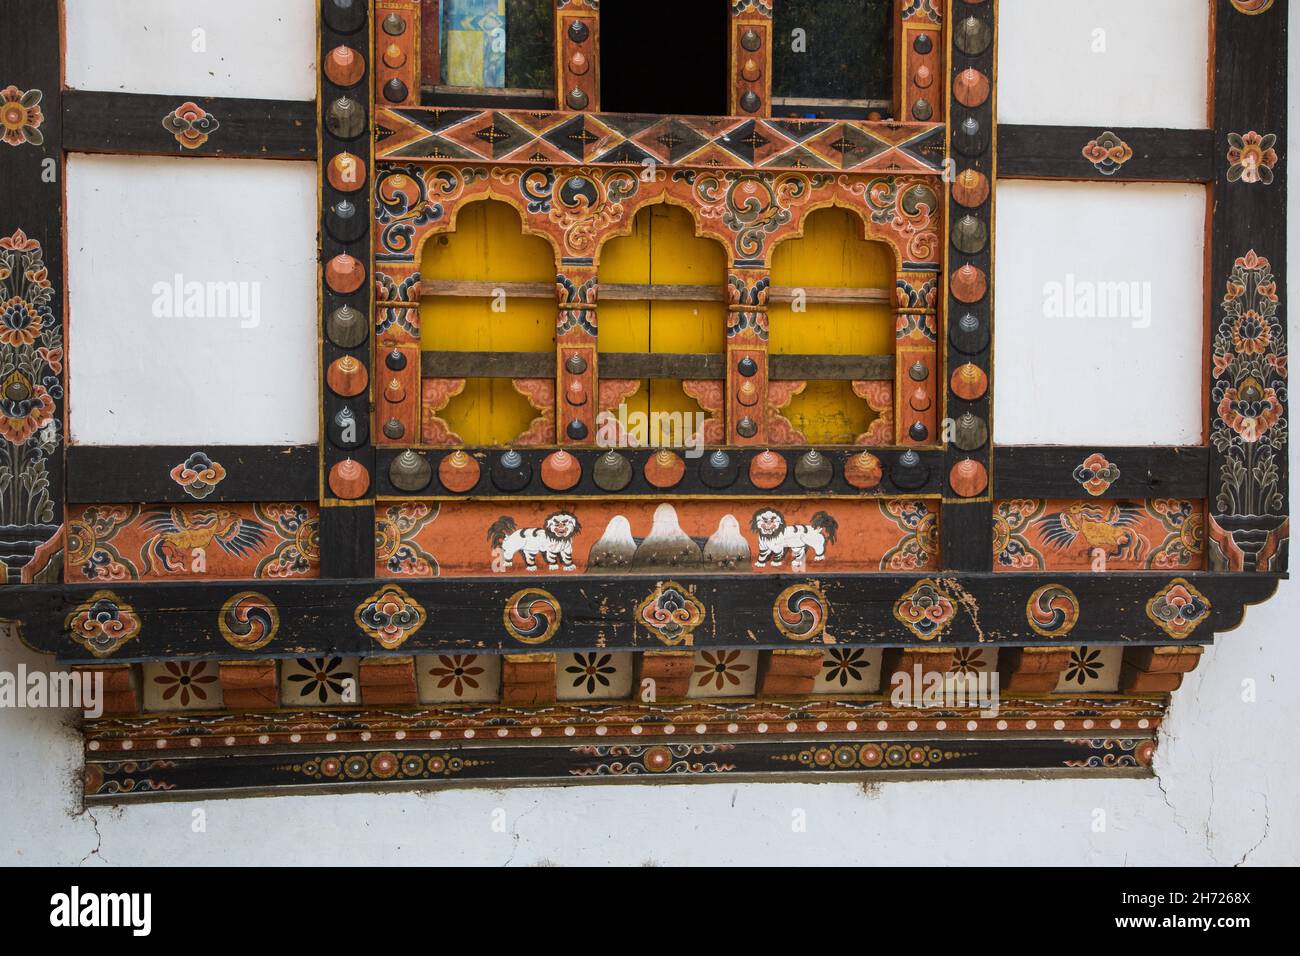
(662, 249)
(831, 253)
(488, 245)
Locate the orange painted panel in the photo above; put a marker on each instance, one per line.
(219, 542)
(537, 538)
(1160, 534)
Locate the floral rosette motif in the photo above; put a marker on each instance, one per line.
(1096, 474)
(190, 124)
(1178, 608)
(21, 117)
(184, 681)
(926, 610)
(719, 670)
(671, 613)
(458, 672)
(198, 475)
(102, 624)
(845, 665)
(390, 616)
(1251, 157)
(1107, 153)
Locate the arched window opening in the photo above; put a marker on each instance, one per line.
(831, 328)
(663, 317)
(487, 328)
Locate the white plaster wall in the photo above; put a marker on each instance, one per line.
(1105, 62)
(140, 374)
(259, 49)
(1129, 375)
(1228, 792)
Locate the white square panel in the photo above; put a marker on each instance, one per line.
(598, 675)
(1091, 669)
(1104, 62)
(849, 670)
(458, 678)
(181, 685)
(192, 290)
(246, 48)
(1100, 313)
(724, 674)
(320, 681)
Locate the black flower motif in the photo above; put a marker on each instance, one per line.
(591, 670)
(967, 660)
(845, 665)
(1085, 663)
(323, 677)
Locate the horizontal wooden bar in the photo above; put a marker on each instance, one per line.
(637, 292)
(487, 364)
(640, 365)
(831, 295)
(924, 477)
(114, 122)
(718, 758)
(473, 288)
(1059, 471)
(676, 365)
(501, 98)
(162, 620)
(830, 368)
(103, 474)
(1153, 155)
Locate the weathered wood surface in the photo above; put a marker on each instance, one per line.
(596, 612)
(1057, 152)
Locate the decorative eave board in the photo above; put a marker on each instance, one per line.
(981, 547)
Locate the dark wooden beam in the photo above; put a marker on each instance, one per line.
(1060, 471)
(654, 292)
(110, 122)
(487, 364)
(716, 758)
(162, 620)
(31, 223)
(157, 473)
(347, 517)
(1129, 153)
(639, 365)
(1248, 526)
(967, 517)
(825, 368)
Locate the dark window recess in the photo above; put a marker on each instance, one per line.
(666, 57)
(839, 65)
(483, 53)
(530, 52)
